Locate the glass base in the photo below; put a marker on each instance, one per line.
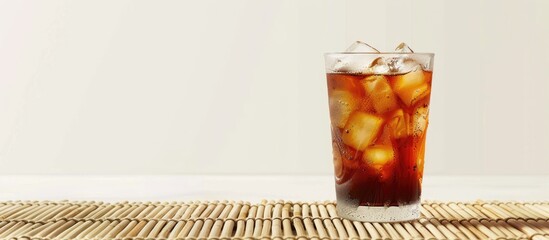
(378, 214)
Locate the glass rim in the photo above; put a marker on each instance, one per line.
(379, 53)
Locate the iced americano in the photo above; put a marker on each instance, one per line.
(379, 109)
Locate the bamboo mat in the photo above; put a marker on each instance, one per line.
(266, 220)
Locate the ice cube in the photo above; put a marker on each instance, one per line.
(359, 46)
(413, 95)
(348, 157)
(380, 92)
(342, 104)
(361, 130)
(378, 66)
(411, 79)
(404, 48)
(380, 158)
(401, 65)
(420, 120)
(378, 155)
(392, 65)
(398, 123)
(383, 65)
(344, 82)
(411, 87)
(348, 64)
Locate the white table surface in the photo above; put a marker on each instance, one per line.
(254, 188)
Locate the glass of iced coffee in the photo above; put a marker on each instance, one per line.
(379, 109)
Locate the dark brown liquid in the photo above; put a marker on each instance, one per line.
(379, 125)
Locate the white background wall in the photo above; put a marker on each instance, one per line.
(238, 86)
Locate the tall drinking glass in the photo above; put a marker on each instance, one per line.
(379, 111)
